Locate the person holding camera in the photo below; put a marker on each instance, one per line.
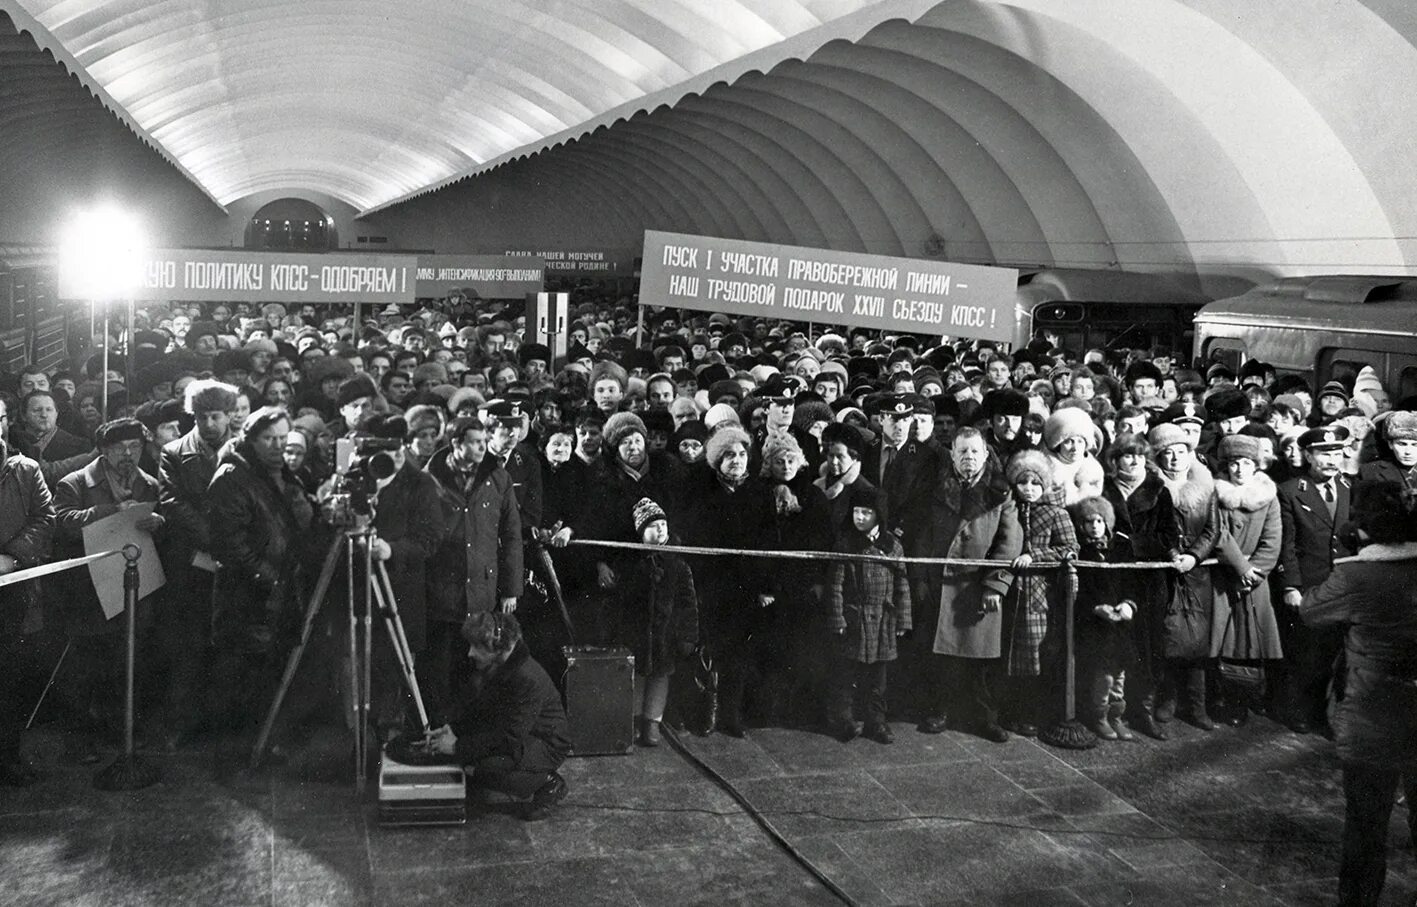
(408, 522)
(507, 726)
(478, 566)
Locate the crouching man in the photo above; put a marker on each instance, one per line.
(508, 726)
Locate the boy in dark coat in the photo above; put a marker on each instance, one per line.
(660, 616)
(868, 606)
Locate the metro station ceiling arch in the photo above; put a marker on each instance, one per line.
(1273, 134)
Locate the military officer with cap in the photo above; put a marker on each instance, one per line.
(1313, 507)
(780, 392)
(506, 422)
(902, 459)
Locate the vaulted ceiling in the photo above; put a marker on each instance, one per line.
(1273, 134)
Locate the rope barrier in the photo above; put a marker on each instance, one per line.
(874, 558)
(20, 576)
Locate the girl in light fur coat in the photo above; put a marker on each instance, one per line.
(1073, 440)
(1244, 627)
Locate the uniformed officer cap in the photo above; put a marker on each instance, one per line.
(504, 411)
(782, 388)
(1183, 411)
(1325, 437)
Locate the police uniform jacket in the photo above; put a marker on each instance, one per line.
(85, 496)
(524, 469)
(1311, 540)
(480, 559)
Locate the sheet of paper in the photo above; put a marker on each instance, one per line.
(110, 534)
(203, 561)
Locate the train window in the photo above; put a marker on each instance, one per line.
(1407, 383)
(1228, 351)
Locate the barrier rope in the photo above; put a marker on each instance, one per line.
(19, 576)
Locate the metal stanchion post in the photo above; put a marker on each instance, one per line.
(1069, 733)
(128, 772)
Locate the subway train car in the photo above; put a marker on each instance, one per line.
(34, 326)
(1324, 328)
(1083, 309)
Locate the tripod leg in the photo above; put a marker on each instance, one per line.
(394, 624)
(354, 694)
(367, 680)
(292, 664)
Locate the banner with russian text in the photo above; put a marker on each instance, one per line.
(767, 280)
(490, 276)
(198, 275)
(583, 262)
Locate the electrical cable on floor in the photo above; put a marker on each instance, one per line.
(757, 816)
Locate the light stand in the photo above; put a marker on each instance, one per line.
(128, 771)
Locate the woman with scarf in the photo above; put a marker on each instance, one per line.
(1245, 629)
(729, 508)
(843, 448)
(1146, 516)
(1186, 641)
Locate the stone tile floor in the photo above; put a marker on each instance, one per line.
(1249, 816)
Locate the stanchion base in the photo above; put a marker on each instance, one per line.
(1068, 735)
(127, 773)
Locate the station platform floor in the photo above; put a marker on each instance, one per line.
(1247, 816)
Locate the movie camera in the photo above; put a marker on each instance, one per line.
(361, 464)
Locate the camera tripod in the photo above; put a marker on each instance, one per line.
(378, 597)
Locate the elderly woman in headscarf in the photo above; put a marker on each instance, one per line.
(1072, 441)
(1189, 613)
(729, 508)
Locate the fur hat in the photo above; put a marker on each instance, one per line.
(1068, 422)
(1235, 446)
(1004, 402)
(1400, 426)
(620, 426)
(1167, 433)
(720, 441)
(1227, 403)
(1140, 369)
(422, 417)
(464, 395)
(351, 389)
(1030, 462)
(1082, 510)
(646, 512)
(119, 430)
(864, 494)
(720, 414)
(210, 396)
(606, 370)
(1333, 389)
(846, 435)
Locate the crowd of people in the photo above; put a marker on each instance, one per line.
(1239, 488)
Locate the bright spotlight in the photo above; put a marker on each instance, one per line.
(101, 256)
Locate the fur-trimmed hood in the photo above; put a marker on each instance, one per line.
(1251, 497)
(1398, 551)
(1191, 493)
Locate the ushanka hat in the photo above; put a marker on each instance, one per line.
(1233, 447)
(1087, 508)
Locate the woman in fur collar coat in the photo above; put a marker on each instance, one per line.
(1244, 627)
(1188, 621)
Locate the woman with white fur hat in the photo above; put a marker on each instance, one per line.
(1072, 440)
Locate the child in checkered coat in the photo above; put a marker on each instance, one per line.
(1032, 623)
(868, 607)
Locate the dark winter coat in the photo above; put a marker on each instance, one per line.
(1146, 519)
(801, 522)
(869, 600)
(184, 475)
(409, 517)
(729, 586)
(62, 454)
(1104, 644)
(479, 560)
(83, 497)
(837, 492)
(26, 531)
(610, 497)
(513, 711)
(1373, 711)
(659, 612)
(524, 469)
(259, 533)
(1388, 471)
(1190, 612)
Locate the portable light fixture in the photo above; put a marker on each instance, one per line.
(101, 255)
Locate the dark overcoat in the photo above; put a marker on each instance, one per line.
(480, 559)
